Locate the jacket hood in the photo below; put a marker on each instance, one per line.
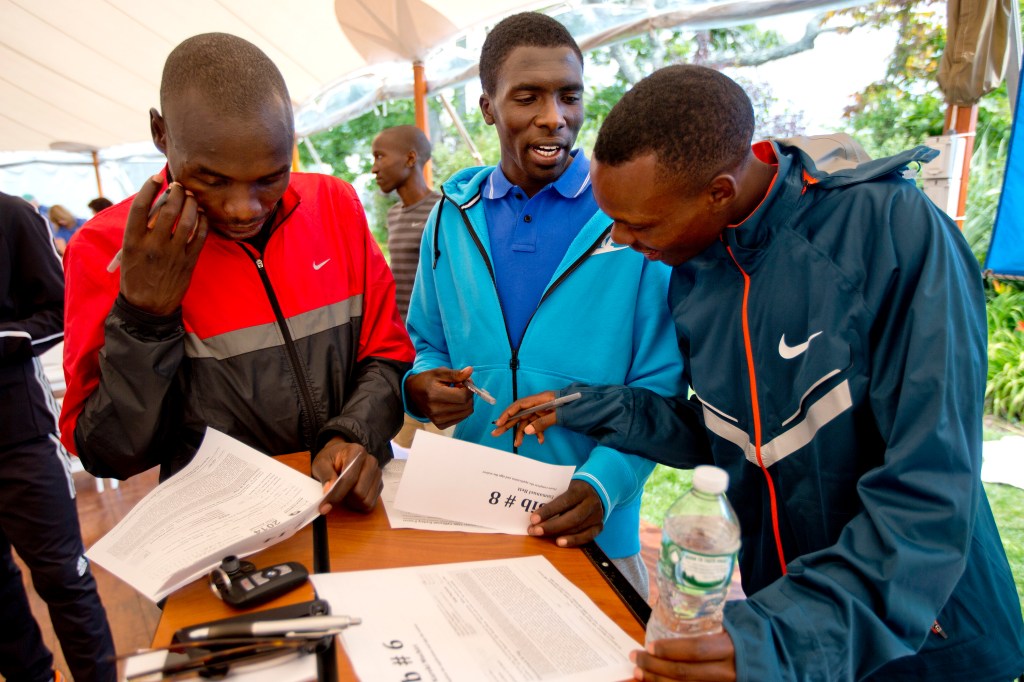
(465, 184)
(837, 160)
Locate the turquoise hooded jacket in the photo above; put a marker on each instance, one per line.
(602, 319)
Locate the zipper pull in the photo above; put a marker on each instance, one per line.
(259, 263)
(937, 629)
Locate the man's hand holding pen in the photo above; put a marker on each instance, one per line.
(162, 242)
(441, 395)
(576, 516)
(531, 423)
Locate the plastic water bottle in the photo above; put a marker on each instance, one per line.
(699, 541)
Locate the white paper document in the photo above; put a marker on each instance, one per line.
(230, 499)
(461, 481)
(392, 477)
(508, 620)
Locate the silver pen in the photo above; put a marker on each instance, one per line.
(270, 628)
(487, 397)
(543, 406)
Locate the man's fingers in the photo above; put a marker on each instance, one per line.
(154, 211)
(187, 218)
(716, 647)
(333, 461)
(138, 214)
(567, 500)
(198, 236)
(361, 479)
(534, 425)
(574, 518)
(363, 495)
(709, 657)
(581, 538)
(662, 670)
(501, 423)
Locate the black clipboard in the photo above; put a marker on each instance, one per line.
(636, 604)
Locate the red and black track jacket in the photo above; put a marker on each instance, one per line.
(282, 350)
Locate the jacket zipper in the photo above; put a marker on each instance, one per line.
(311, 419)
(756, 408)
(513, 363)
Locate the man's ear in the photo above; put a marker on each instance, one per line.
(722, 190)
(410, 158)
(485, 109)
(158, 129)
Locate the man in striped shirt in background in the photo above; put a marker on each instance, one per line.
(399, 154)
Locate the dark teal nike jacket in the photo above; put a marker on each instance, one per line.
(835, 346)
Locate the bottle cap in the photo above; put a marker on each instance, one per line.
(710, 479)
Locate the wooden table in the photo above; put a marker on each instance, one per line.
(366, 541)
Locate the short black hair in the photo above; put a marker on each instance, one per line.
(697, 121)
(235, 74)
(526, 29)
(411, 138)
(100, 203)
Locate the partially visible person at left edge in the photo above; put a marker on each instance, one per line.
(254, 301)
(38, 516)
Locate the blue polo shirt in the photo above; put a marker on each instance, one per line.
(530, 235)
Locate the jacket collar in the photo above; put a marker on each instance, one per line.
(573, 181)
(469, 184)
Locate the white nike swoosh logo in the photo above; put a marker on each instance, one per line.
(608, 246)
(789, 352)
(317, 266)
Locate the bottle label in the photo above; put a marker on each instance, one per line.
(697, 570)
(700, 570)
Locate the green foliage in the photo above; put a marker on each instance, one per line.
(664, 486)
(1004, 394)
(988, 167)
(346, 147)
(906, 106)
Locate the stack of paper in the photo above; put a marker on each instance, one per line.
(503, 620)
(230, 499)
(449, 484)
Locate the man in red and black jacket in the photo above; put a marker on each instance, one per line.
(230, 293)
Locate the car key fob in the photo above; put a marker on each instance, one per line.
(242, 585)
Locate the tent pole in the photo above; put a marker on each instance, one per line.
(1013, 73)
(419, 93)
(964, 122)
(96, 169)
(457, 120)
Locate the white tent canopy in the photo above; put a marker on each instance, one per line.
(87, 71)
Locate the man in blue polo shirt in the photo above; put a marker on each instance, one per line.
(520, 286)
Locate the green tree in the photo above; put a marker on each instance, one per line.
(906, 106)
